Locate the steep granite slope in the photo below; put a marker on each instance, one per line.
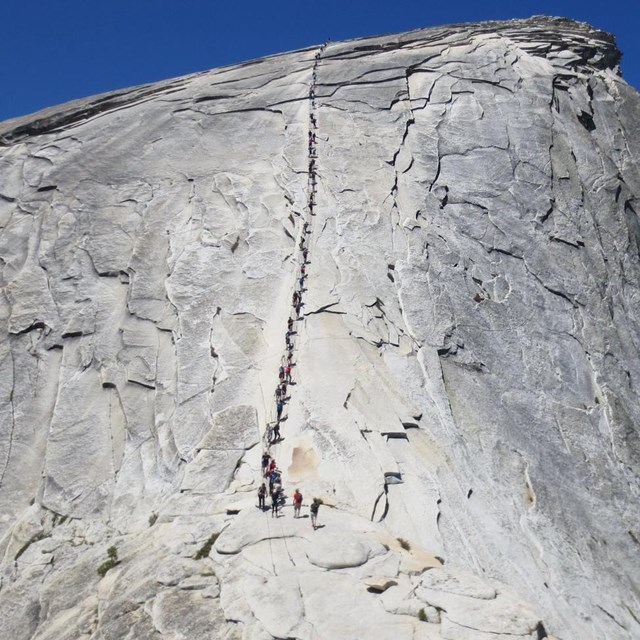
(465, 362)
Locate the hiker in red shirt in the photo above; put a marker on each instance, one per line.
(297, 503)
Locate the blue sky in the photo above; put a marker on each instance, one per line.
(58, 50)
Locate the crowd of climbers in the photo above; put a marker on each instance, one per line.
(272, 476)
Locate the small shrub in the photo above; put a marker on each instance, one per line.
(39, 536)
(205, 550)
(112, 552)
(152, 519)
(404, 544)
(422, 616)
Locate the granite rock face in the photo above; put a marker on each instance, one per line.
(466, 367)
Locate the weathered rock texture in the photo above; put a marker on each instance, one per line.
(467, 369)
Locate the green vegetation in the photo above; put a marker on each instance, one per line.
(422, 616)
(58, 519)
(205, 550)
(112, 552)
(39, 536)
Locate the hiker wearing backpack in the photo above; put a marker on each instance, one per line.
(262, 494)
(313, 510)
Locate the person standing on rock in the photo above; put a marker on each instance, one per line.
(281, 373)
(297, 503)
(279, 408)
(313, 510)
(276, 433)
(265, 463)
(287, 373)
(262, 494)
(275, 498)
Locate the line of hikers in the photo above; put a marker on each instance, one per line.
(270, 472)
(273, 476)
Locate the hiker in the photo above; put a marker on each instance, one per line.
(298, 309)
(274, 504)
(276, 432)
(265, 463)
(297, 503)
(287, 373)
(305, 254)
(290, 321)
(303, 269)
(283, 387)
(262, 494)
(278, 392)
(313, 510)
(272, 466)
(301, 281)
(296, 297)
(280, 404)
(281, 369)
(274, 477)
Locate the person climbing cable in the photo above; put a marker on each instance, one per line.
(287, 374)
(262, 494)
(297, 503)
(313, 510)
(274, 504)
(265, 463)
(281, 370)
(280, 406)
(276, 433)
